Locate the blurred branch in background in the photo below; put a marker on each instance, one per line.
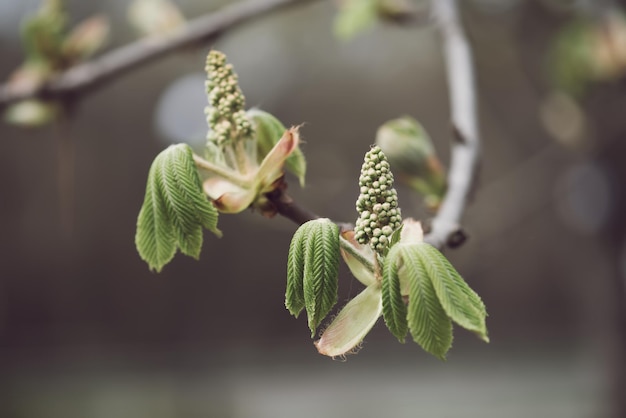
(466, 143)
(95, 73)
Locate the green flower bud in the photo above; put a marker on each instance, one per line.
(377, 202)
(226, 116)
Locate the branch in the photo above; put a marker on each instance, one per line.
(464, 161)
(446, 229)
(287, 207)
(97, 72)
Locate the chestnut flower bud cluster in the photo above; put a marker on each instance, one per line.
(225, 114)
(377, 205)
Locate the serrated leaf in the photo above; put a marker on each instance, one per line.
(294, 295)
(352, 324)
(395, 236)
(155, 239)
(321, 270)
(175, 204)
(189, 207)
(428, 322)
(394, 309)
(268, 131)
(459, 301)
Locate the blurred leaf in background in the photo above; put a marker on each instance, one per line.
(587, 51)
(413, 159)
(155, 17)
(357, 16)
(49, 49)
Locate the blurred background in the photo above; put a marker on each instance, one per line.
(86, 330)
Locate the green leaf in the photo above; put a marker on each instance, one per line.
(269, 130)
(43, 33)
(570, 60)
(412, 156)
(321, 270)
(360, 258)
(395, 236)
(394, 309)
(459, 301)
(32, 113)
(355, 17)
(428, 322)
(174, 209)
(189, 208)
(352, 323)
(155, 239)
(294, 295)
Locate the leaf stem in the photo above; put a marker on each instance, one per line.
(241, 158)
(225, 173)
(349, 248)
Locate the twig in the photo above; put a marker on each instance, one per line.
(99, 71)
(445, 227)
(465, 153)
(287, 207)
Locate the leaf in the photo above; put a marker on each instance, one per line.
(570, 61)
(395, 236)
(43, 32)
(428, 322)
(174, 209)
(30, 76)
(394, 309)
(155, 17)
(32, 113)
(269, 130)
(412, 156)
(361, 260)
(321, 270)
(227, 196)
(189, 205)
(86, 38)
(459, 301)
(354, 17)
(155, 238)
(352, 323)
(294, 295)
(271, 167)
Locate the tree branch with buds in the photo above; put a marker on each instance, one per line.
(242, 166)
(99, 71)
(446, 227)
